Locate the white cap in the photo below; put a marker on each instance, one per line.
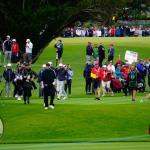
(43, 65)
(104, 66)
(8, 36)
(64, 65)
(60, 65)
(14, 40)
(9, 65)
(50, 63)
(28, 40)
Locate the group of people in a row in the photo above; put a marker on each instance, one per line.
(120, 31)
(51, 81)
(116, 77)
(97, 52)
(12, 52)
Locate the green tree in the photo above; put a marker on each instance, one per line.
(43, 20)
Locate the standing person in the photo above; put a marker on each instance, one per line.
(69, 80)
(142, 72)
(95, 53)
(87, 76)
(89, 51)
(59, 50)
(18, 81)
(29, 76)
(132, 80)
(106, 79)
(62, 78)
(96, 74)
(7, 50)
(9, 76)
(148, 69)
(15, 51)
(111, 52)
(48, 84)
(41, 93)
(111, 67)
(28, 54)
(101, 54)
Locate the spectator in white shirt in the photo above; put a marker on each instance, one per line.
(111, 67)
(28, 54)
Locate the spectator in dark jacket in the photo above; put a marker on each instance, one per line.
(142, 73)
(62, 80)
(87, 76)
(101, 54)
(59, 51)
(111, 52)
(89, 51)
(9, 76)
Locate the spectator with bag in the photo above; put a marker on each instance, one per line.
(15, 51)
(96, 75)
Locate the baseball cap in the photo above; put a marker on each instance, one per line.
(89, 42)
(111, 44)
(50, 63)
(14, 40)
(8, 36)
(104, 66)
(9, 65)
(96, 63)
(43, 65)
(47, 64)
(60, 65)
(28, 40)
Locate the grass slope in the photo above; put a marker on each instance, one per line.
(79, 118)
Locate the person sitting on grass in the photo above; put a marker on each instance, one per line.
(96, 74)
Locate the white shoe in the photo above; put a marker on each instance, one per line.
(46, 107)
(19, 98)
(51, 106)
(103, 95)
(64, 98)
(112, 94)
(16, 95)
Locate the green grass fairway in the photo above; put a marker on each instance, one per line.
(81, 146)
(79, 120)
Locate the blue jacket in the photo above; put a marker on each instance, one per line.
(142, 69)
(119, 74)
(62, 74)
(118, 32)
(111, 51)
(89, 50)
(9, 75)
(87, 71)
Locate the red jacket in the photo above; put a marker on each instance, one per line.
(126, 72)
(15, 48)
(106, 75)
(99, 73)
(112, 31)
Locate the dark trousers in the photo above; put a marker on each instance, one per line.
(100, 61)
(149, 80)
(88, 85)
(68, 85)
(26, 94)
(49, 91)
(110, 58)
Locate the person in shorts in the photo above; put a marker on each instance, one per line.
(96, 74)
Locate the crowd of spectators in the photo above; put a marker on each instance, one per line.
(104, 31)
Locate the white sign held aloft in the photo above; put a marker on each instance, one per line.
(131, 56)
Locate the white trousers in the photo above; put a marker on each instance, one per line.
(61, 85)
